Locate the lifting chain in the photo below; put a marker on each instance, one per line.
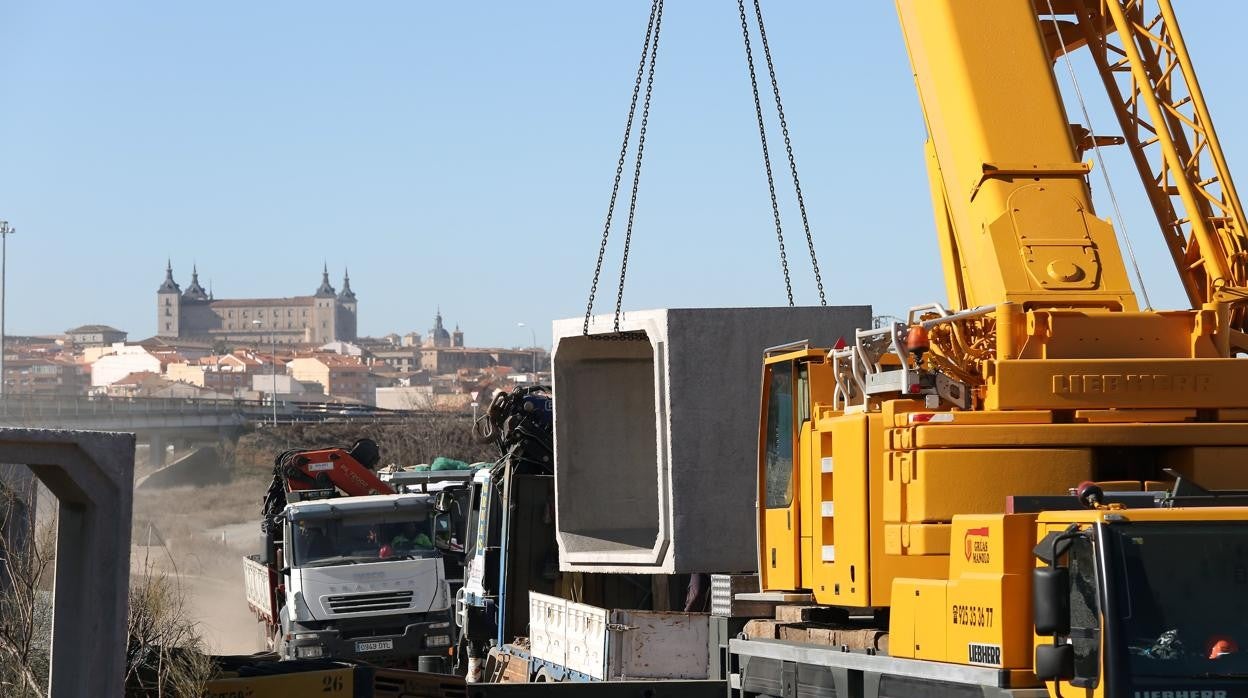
(788, 146)
(649, 53)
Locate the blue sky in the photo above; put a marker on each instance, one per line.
(461, 154)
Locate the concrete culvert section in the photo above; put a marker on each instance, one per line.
(91, 476)
(610, 449)
(656, 433)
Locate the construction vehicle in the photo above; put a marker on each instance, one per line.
(513, 501)
(513, 587)
(1037, 490)
(356, 568)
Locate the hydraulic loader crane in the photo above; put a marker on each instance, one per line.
(928, 469)
(350, 471)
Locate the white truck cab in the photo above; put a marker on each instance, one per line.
(364, 579)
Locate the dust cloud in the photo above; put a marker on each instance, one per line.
(198, 536)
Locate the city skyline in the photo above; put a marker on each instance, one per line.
(205, 287)
(458, 156)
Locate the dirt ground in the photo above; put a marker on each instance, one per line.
(199, 534)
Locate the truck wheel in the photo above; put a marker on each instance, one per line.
(544, 675)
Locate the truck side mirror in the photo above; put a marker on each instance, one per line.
(1055, 662)
(269, 556)
(1050, 600)
(442, 501)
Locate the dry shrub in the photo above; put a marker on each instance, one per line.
(26, 564)
(165, 655)
(418, 439)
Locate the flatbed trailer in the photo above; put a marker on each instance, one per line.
(673, 688)
(781, 669)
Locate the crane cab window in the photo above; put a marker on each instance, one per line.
(778, 447)
(1085, 614)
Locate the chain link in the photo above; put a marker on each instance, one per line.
(788, 146)
(762, 136)
(646, 53)
(641, 149)
(646, 70)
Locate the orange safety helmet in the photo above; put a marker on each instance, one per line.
(1222, 646)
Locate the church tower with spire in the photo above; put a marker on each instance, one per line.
(168, 305)
(348, 318)
(438, 336)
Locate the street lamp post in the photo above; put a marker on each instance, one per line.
(272, 368)
(533, 335)
(5, 231)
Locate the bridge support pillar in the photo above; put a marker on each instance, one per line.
(157, 449)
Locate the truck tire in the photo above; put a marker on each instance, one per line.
(544, 675)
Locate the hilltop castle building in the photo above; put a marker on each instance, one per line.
(325, 316)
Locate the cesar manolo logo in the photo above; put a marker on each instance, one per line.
(975, 543)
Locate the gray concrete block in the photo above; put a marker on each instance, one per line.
(92, 475)
(656, 438)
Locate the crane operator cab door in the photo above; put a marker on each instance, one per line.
(784, 383)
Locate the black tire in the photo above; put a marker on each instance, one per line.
(544, 675)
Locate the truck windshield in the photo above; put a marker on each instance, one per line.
(1182, 598)
(353, 540)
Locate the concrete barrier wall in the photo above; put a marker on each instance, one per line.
(656, 436)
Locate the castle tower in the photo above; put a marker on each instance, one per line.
(324, 310)
(195, 293)
(457, 337)
(348, 310)
(168, 305)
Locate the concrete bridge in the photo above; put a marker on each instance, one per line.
(158, 422)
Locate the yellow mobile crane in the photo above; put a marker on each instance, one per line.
(1034, 485)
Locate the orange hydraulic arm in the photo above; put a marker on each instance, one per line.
(330, 467)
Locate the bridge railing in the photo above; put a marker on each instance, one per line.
(66, 406)
(34, 407)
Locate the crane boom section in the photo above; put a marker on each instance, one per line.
(1010, 193)
(1152, 87)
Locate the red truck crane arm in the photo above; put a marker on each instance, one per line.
(349, 471)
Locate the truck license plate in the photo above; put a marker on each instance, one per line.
(374, 646)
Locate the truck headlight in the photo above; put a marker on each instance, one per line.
(310, 652)
(438, 641)
(306, 636)
(439, 626)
